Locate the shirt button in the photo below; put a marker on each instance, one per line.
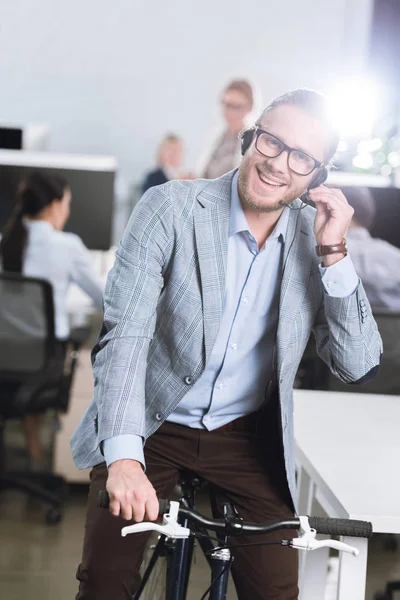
(220, 385)
(234, 346)
(330, 284)
(188, 380)
(158, 417)
(245, 300)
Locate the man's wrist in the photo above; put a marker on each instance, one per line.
(126, 461)
(331, 259)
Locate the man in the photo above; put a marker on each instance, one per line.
(377, 262)
(208, 309)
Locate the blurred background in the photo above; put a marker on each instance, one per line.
(117, 98)
(113, 81)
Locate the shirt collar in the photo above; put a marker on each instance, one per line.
(38, 225)
(238, 221)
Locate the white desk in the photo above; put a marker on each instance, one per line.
(81, 312)
(347, 453)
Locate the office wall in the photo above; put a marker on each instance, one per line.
(112, 78)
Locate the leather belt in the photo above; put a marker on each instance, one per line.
(248, 423)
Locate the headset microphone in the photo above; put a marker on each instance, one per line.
(318, 180)
(305, 199)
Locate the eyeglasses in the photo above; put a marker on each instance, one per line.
(233, 106)
(298, 161)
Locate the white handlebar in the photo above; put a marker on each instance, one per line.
(307, 540)
(171, 528)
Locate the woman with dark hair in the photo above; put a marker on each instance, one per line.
(34, 244)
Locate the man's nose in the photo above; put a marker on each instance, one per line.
(279, 163)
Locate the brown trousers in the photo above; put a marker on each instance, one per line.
(247, 470)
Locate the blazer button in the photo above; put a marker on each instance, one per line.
(188, 380)
(158, 417)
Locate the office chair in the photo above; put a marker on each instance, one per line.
(36, 373)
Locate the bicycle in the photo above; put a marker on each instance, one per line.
(168, 555)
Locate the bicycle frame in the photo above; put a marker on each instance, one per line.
(179, 554)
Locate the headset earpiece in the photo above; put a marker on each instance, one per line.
(246, 138)
(319, 179)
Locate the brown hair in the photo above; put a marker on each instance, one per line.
(315, 104)
(242, 86)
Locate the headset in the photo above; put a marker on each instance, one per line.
(246, 139)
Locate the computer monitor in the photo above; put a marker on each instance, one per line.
(92, 184)
(11, 138)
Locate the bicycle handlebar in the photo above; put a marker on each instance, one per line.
(323, 525)
(348, 527)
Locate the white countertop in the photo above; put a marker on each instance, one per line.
(58, 160)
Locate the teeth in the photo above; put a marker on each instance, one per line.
(265, 180)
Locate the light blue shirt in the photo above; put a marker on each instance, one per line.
(236, 376)
(61, 258)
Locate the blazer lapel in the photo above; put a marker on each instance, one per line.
(211, 221)
(297, 263)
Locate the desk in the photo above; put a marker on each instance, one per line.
(347, 454)
(80, 397)
(82, 313)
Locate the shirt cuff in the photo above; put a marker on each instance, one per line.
(119, 447)
(340, 280)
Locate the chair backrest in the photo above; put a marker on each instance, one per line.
(387, 381)
(26, 325)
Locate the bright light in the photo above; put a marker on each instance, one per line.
(394, 159)
(385, 170)
(363, 161)
(369, 146)
(353, 105)
(343, 146)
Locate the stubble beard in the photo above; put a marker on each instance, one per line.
(248, 201)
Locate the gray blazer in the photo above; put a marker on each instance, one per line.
(163, 303)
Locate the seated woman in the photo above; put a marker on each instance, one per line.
(34, 244)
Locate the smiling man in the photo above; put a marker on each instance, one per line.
(215, 290)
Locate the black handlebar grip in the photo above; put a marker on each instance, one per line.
(348, 527)
(103, 501)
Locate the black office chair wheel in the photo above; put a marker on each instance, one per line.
(53, 516)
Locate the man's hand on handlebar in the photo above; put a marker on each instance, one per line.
(131, 494)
